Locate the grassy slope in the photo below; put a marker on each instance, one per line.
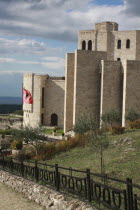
(122, 159)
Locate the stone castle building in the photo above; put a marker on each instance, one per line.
(104, 73)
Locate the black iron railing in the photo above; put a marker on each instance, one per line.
(108, 192)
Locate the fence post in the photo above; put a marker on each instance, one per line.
(135, 202)
(88, 185)
(11, 164)
(22, 168)
(57, 177)
(130, 194)
(36, 172)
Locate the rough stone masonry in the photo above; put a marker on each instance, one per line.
(42, 195)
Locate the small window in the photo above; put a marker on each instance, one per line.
(83, 45)
(89, 45)
(118, 59)
(43, 97)
(128, 43)
(119, 44)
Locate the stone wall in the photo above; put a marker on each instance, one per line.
(69, 90)
(87, 83)
(123, 53)
(32, 116)
(42, 195)
(105, 38)
(10, 123)
(86, 35)
(111, 86)
(54, 101)
(131, 87)
(138, 45)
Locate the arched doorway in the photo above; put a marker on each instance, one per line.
(54, 120)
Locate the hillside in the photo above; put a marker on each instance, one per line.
(9, 108)
(121, 158)
(10, 100)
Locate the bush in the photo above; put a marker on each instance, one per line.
(55, 129)
(111, 117)
(132, 115)
(47, 151)
(6, 132)
(17, 144)
(118, 130)
(135, 124)
(85, 123)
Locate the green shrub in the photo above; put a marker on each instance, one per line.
(55, 129)
(17, 144)
(6, 132)
(118, 130)
(47, 151)
(111, 117)
(132, 115)
(135, 124)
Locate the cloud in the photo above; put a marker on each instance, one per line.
(52, 63)
(61, 19)
(26, 46)
(132, 7)
(14, 72)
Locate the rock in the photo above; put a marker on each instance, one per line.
(46, 197)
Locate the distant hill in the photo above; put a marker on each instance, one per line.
(9, 108)
(10, 100)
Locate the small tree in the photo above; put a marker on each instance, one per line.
(32, 136)
(97, 137)
(132, 115)
(111, 117)
(84, 124)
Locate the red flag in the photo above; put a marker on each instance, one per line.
(27, 97)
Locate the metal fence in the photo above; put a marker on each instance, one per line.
(109, 193)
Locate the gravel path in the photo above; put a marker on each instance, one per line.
(12, 200)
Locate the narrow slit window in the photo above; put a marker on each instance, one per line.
(128, 44)
(119, 44)
(43, 90)
(42, 119)
(84, 45)
(89, 45)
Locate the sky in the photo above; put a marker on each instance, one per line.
(35, 35)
